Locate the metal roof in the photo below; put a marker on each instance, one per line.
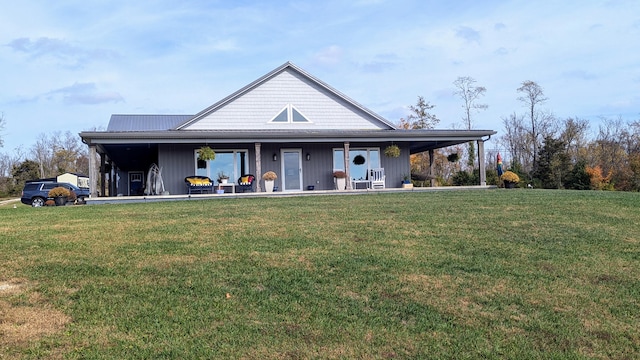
(120, 122)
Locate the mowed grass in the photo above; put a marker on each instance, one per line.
(494, 274)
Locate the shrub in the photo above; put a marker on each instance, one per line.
(59, 191)
(510, 176)
(269, 176)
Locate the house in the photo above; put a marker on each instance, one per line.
(287, 121)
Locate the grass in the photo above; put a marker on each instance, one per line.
(462, 275)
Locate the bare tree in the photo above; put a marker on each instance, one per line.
(574, 136)
(516, 140)
(539, 121)
(470, 94)
(2, 125)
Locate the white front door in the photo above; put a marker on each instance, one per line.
(291, 169)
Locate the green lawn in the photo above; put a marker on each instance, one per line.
(517, 274)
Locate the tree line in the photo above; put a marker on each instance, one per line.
(544, 150)
(52, 154)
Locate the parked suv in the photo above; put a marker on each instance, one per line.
(35, 193)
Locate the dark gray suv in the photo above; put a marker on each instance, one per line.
(35, 193)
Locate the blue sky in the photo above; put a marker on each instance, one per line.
(69, 65)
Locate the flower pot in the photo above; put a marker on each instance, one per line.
(509, 184)
(60, 200)
(268, 185)
(407, 186)
(341, 183)
(220, 191)
(224, 181)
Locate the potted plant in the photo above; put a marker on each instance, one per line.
(406, 182)
(510, 179)
(222, 177)
(206, 153)
(60, 195)
(269, 178)
(340, 179)
(392, 151)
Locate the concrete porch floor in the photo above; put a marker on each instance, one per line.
(186, 197)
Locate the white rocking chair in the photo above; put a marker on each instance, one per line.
(376, 178)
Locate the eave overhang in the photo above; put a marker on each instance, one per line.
(273, 136)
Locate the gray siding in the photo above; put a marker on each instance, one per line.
(177, 162)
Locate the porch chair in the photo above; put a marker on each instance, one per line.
(245, 183)
(376, 178)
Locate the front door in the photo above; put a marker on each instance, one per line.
(291, 169)
(136, 183)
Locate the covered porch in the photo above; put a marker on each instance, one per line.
(301, 161)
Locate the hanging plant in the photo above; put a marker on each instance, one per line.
(206, 153)
(453, 157)
(358, 160)
(392, 151)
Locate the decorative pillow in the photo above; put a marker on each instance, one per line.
(245, 180)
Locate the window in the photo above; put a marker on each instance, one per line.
(357, 169)
(289, 115)
(233, 163)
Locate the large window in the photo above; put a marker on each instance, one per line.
(233, 163)
(360, 161)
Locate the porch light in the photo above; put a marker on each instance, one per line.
(275, 157)
(308, 156)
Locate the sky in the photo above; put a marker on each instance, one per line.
(67, 65)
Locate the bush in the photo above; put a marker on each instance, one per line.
(269, 176)
(59, 191)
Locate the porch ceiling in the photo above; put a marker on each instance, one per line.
(131, 156)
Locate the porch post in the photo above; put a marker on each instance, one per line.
(102, 176)
(432, 179)
(481, 164)
(93, 172)
(346, 165)
(258, 167)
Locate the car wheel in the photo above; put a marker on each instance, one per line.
(37, 202)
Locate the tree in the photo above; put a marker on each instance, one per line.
(553, 164)
(470, 94)
(59, 153)
(21, 172)
(574, 135)
(516, 140)
(539, 121)
(420, 118)
(2, 125)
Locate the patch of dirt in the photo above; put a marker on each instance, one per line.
(20, 324)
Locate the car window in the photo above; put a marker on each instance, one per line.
(49, 186)
(31, 187)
